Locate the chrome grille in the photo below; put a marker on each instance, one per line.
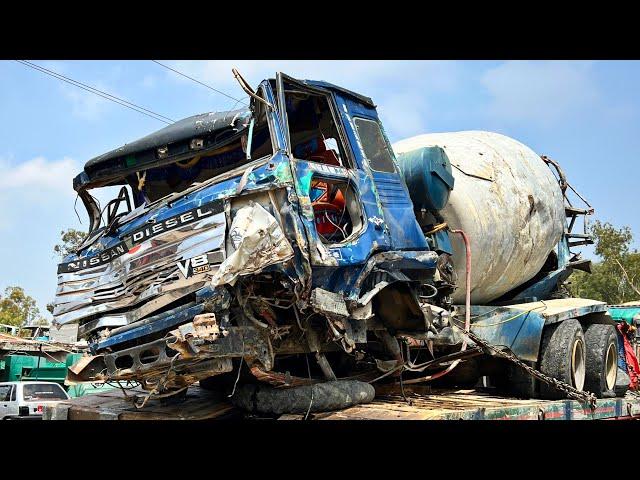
(136, 278)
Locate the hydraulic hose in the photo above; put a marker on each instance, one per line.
(467, 313)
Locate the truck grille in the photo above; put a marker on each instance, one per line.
(131, 282)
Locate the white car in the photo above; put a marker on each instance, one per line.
(26, 400)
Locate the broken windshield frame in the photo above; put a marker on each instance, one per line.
(344, 146)
(265, 123)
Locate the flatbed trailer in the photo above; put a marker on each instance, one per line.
(418, 403)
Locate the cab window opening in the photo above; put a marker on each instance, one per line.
(336, 211)
(312, 128)
(375, 147)
(178, 176)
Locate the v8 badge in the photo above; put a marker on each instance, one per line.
(194, 266)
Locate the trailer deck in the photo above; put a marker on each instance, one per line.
(419, 403)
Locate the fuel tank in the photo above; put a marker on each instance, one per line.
(505, 198)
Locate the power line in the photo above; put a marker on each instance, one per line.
(201, 83)
(100, 93)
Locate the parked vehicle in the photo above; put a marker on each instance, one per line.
(31, 367)
(26, 400)
(291, 229)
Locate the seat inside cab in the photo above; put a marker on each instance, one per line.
(315, 138)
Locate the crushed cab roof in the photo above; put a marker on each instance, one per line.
(110, 168)
(142, 153)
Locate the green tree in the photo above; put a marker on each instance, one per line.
(616, 277)
(17, 308)
(70, 239)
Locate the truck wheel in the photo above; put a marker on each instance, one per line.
(602, 359)
(562, 356)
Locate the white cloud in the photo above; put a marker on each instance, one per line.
(33, 188)
(399, 88)
(403, 115)
(84, 104)
(38, 202)
(39, 176)
(544, 92)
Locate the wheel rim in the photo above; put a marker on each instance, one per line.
(578, 364)
(611, 366)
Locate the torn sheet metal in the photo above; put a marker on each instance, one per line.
(204, 327)
(329, 303)
(259, 242)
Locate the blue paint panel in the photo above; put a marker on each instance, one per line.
(498, 326)
(543, 288)
(343, 279)
(167, 320)
(359, 249)
(518, 329)
(389, 223)
(391, 192)
(398, 212)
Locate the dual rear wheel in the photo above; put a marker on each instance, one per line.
(585, 359)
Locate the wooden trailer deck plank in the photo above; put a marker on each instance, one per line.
(426, 405)
(113, 405)
(471, 405)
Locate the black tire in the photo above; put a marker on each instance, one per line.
(602, 360)
(557, 357)
(319, 397)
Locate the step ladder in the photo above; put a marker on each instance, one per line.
(573, 213)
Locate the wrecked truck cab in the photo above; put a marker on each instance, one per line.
(259, 235)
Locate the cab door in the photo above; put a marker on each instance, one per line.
(330, 187)
(376, 156)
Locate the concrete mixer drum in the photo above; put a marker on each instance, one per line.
(505, 198)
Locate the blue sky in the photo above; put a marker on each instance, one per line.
(583, 114)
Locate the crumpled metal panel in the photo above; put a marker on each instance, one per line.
(146, 271)
(258, 241)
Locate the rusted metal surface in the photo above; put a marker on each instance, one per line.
(52, 350)
(421, 403)
(418, 403)
(278, 379)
